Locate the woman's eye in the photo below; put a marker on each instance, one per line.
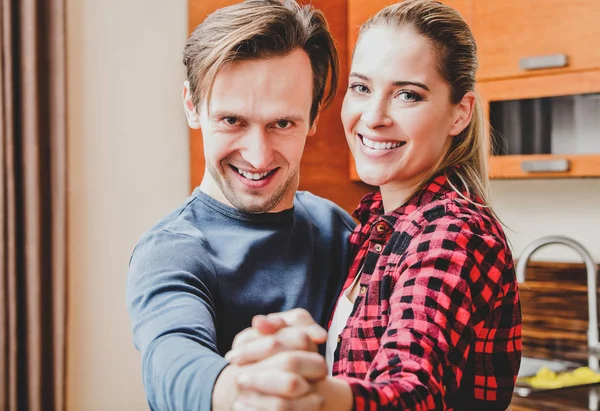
(283, 124)
(409, 96)
(359, 88)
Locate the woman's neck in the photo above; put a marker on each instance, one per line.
(396, 193)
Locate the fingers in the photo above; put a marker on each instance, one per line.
(299, 317)
(277, 383)
(287, 339)
(308, 365)
(268, 324)
(261, 326)
(257, 402)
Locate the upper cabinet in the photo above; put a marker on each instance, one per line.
(517, 38)
(539, 78)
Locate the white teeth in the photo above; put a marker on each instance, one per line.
(376, 145)
(252, 176)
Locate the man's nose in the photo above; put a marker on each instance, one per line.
(258, 149)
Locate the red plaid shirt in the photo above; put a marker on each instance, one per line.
(437, 321)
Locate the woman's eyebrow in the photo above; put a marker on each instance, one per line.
(394, 83)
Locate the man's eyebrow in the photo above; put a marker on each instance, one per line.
(223, 114)
(395, 83)
(292, 118)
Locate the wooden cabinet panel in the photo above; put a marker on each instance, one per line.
(509, 30)
(541, 86)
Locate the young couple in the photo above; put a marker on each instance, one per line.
(420, 299)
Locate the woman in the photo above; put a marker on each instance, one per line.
(430, 315)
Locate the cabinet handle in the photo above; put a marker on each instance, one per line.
(543, 62)
(545, 166)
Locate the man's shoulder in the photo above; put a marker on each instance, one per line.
(322, 210)
(175, 229)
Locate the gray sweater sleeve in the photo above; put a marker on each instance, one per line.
(170, 288)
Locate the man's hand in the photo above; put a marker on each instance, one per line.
(274, 333)
(284, 381)
(274, 364)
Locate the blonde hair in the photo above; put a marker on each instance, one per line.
(257, 29)
(456, 51)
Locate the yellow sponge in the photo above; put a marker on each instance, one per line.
(548, 379)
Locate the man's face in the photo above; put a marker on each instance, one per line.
(256, 130)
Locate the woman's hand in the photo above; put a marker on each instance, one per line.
(278, 364)
(275, 333)
(285, 381)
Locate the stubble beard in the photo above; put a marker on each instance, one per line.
(253, 204)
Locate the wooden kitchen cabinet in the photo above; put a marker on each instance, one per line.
(510, 30)
(511, 36)
(583, 159)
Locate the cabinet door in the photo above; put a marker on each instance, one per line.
(565, 144)
(508, 31)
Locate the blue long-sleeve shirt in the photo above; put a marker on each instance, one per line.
(198, 277)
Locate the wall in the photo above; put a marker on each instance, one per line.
(536, 208)
(128, 166)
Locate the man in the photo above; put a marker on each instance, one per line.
(245, 242)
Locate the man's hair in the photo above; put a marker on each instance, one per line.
(258, 29)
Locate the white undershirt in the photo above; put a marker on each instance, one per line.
(338, 322)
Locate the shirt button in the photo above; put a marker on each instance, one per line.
(380, 228)
(363, 290)
(378, 248)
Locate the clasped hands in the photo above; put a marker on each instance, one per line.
(278, 365)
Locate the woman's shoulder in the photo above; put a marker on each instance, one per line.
(456, 219)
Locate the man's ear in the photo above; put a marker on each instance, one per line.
(313, 127)
(463, 112)
(193, 118)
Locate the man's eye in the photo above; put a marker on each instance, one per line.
(232, 121)
(283, 124)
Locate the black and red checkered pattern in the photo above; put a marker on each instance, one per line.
(437, 322)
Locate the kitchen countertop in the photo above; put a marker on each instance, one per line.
(572, 399)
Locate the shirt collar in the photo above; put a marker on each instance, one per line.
(439, 187)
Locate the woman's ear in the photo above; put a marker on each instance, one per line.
(189, 108)
(463, 112)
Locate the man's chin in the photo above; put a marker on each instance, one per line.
(254, 205)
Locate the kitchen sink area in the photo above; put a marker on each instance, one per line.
(574, 353)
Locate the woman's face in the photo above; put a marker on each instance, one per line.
(397, 114)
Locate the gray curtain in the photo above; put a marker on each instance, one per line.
(32, 205)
